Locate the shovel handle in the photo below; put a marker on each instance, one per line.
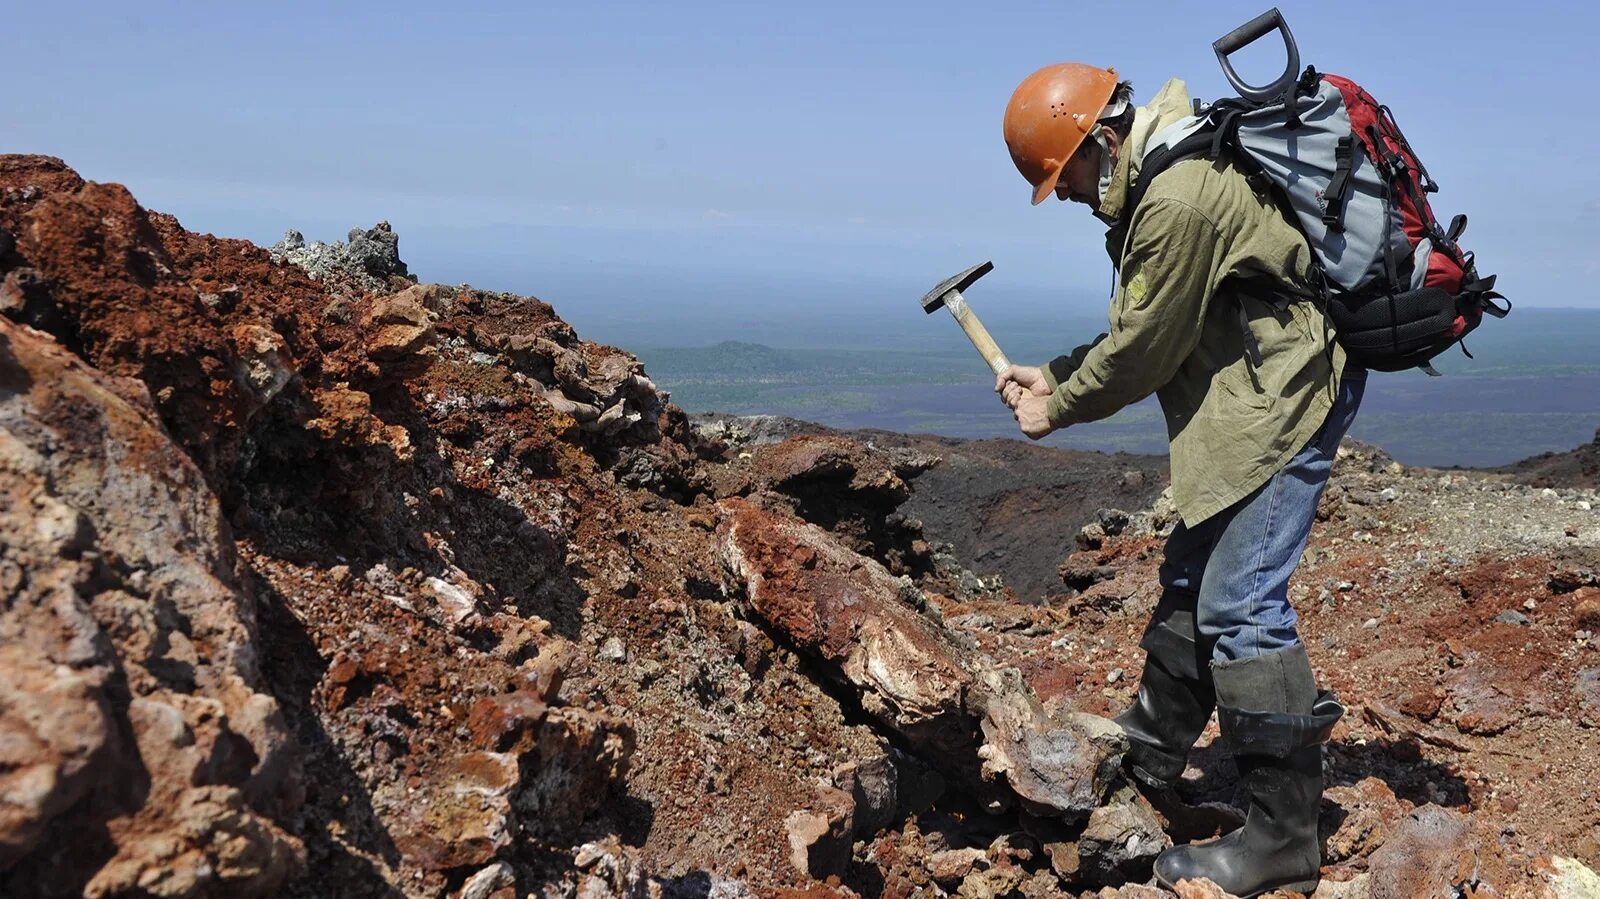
(978, 334)
(1249, 33)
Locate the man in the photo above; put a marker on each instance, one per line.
(1201, 262)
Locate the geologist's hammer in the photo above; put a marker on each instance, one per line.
(948, 295)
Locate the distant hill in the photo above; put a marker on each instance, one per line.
(1575, 468)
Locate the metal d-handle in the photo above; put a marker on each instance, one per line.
(1247, 34)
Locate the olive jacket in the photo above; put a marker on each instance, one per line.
(1201, 243)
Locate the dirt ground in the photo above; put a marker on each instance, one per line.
(1455, 613)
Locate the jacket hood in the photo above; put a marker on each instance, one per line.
(1169, 105)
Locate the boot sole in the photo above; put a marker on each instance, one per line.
(1304, 886)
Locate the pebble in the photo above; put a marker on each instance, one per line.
(613, 651)
(1346, 586)
(1512, 616)
(1114, 676)
(1530, 605)
(1369, 624)
(1583, 505)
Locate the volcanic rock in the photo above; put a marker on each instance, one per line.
(368, 258)
(464, 819)
(123, 617)
(846, 487)
(1133, 891)
(1568, 878)
(1120, 844)
(952, 705)
(1372, 813)
(1432, 854)
(950, 866)
(397, 326)
(1200, 889)
(1060, 766)
(874, 787)
(992, 883)
(1359, 887)
(492, 882)
(1587, 689)
(120, 287)
(1586, 608)
(821, 596)
(820, 835)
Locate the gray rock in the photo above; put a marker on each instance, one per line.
(1512, 616)
(1113, 521)
(1120, 844)
(612, 650)
(369, 259)
(874, 785)
(482, 884)
(1061, 767)
(1588, 690)
(375, 251)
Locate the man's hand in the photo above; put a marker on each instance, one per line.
(1019, 381)
(1031, 415)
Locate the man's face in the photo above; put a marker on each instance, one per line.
(1080, 180)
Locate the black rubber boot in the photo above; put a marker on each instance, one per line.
(1175, 694)
(1274, 722)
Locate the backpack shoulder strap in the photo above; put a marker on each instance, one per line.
(1202, 143)
(1216, 136)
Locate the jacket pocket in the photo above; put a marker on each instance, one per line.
(1238, 395)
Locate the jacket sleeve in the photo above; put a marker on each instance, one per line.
(1061, 367)
(1169, 272)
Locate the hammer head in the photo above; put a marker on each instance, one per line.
(934, 299)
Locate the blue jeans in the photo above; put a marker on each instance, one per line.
(1238, 561)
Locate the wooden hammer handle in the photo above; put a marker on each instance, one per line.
(978, 334)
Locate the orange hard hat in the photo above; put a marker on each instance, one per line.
(1050, 113)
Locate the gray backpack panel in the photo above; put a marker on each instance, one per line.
(1302, 162)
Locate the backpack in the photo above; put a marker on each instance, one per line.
(1398, 288)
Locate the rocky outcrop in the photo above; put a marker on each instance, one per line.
(133, 699)
(163, 692)
(982, 726)
(368, 258)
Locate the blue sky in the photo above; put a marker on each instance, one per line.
(793, 172)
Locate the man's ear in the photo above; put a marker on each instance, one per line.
(1112, 141)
